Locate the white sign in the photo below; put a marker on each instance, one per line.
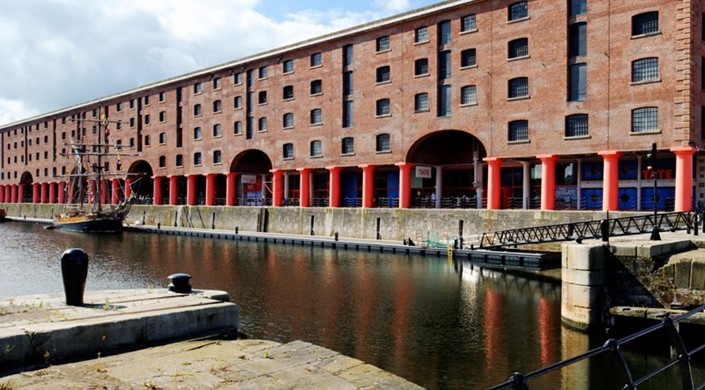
(249, 179)
(423, 172)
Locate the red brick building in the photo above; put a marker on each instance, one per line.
(537, 104)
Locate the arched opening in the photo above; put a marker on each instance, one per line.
(254, 180)
(26, 181)
(141, 182)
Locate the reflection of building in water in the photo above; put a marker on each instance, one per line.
(475, 102)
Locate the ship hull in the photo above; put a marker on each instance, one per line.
(90, 224)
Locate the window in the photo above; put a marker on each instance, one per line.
(645, 69)
(444, 33)
(162, 116)
(262, 124)
(518, 130)
(421, 102)
(348, 146)
(644, 24)
(576, 125)
(316, 59)
(237, 128)
(444, 100)
(118, 108)
(216, 83)
(518, 11)
(347, 83)
(262, 97)
(132, 121)
(288, 120)
(288, 92)
(288, 151)
(421, 67)
(468, 58)
(162, 138)
(162, 161)
(316, 87)
(421, 35)
(316, 148)
(217, 106)
(444, 65)
(197, 110)
(468, 23)
(237, 102)
(197, 133)
(162, 96)
(518, 88)
(468, 95)
(383, 43)
(382, 143)
(147, 140)
(645, 119)
(384, 74)
(146, 122)
(197, 158)
(288, 66)
(237, 78)
(262, 72)
(347, 55)
(197, 88)
(179, 160)
(217, 157)
(577, 82)
(316, 116)
(383, 107)
(217, 130)
(577, 41)
(578, 7)
(348, 114)
(518, 48)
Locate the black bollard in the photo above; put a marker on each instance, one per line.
(336, 236)
(179, 283)
(74, 270)
(605, 230)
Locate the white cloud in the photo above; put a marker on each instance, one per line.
(393, 5)
(13, 110)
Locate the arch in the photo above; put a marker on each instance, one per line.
(254, 178)
(26, 178)
(142, 185)
(446, 147)
(27, 191)
(251, 161)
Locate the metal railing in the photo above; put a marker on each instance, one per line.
(613, 348)
(588, 229)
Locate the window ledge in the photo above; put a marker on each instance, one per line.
(262, 104)
(288, 99)
(468, 67)
(218, 164)
(317, 124)
(384, 82)
(474, 30)
(657, 131)
(317, 94)
(519, 141)
(288, 128)
(422, 42)
(422, 111)
(519, 20)
(421, 75)
(473, 104)
(197, 165)
(383, 51)
(519, 98)
(238, 134)
(316, 66)
(576, 137)
(518, 58)
(383, 116)
(316, 157)
(645, 35)
(383, 152)
(218, 112)
(217, 136)
(262, 78)
(645, 82)
(347, 154)
(288, 73)
(288, 158)
(162, 144)
(262, 131)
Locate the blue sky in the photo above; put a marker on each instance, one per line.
(56, 53)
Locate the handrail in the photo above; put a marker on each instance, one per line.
(613, 347)
(589, 229)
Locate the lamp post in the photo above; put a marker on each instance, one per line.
(655, 235)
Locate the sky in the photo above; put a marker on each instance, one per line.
(57, 53)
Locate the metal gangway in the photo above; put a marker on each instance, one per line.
(595, 229)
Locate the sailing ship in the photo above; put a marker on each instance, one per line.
(84, 210)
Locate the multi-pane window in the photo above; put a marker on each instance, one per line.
(348, 114)
(162, 96)
(316, 87)
(383, 43)
(468, 23)
(237, 102)
(444, 33)
(468, 57)
(216, 83)
(347, 55)
(348, 145)
(576, 125)
(383, 107)
(316, 59)
(162, 161)
(518, 10)
(196, 110)
(197, 133)
(578, 7)
(316, 148)
(518, 130)
(118, 108)
(288, 66)
(217, 106)
(384, 74)
(262, 97)
(444, 98)
(468, 95)
(518, 87)
(316, 116)
(197, 88)
(237, 78)
(645, 23)
(262, 72)
(217, 157)
(645, 119)
(444, 68)
(288, 150)
(217, 130)
(382, 143)
(288, 92)
(347, 83)
(262, 124)
(288, 120)
(645, 69)
(162, 138)
(421, 102)
(237, 127)
(421, 67)
(421, 34)
(518, 48)
(577, 40)
(197, 159)
(577, 82)
(162, 116)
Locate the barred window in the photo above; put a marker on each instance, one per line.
(348, 145)
(383, 107)
(518, 87)
(468, 57)
(162, 116)
(645, 119)
(518, 130)
(576, 125)
(162, 161)
(217, 157)
(196, 111)
(421, 67)
(237, 102)
(577, 82)
(262, 97)
(179, 160)
(288, 92)
(518, 48)
(468, 23)
(288, 151)
(578, 7)
(421, 102)
(382, 143)
(288, 66)
(468, 95)
(197, 160)
(197, 88)
(316, 148)
(288, 120)
(262, 124)
(645, 23)
(384, 74)
(383, 43)
(316, 87)
(316, 116)
(216, 83)
(262, 72)
(421, 34)
(237, 127)
(217, 106)
(645, 69)
(316, 59)
(519, 10)
(162, 138)
(197, 133)
(217, 130)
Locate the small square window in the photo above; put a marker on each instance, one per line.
(316, 59)
(421, 35)
(197, 160)
(576, 125)
(288, 66)
(262, 73)
(288, 120)
(518, 130)
(518, 11)
(518, 48)
(384, 74)
(162, 138)
(237, 102)
(383, 43)
(383, 107)
(468, 23)
(288, 92)
(645, 23)
(217, 157)
(421, 67)
(217, 106)
(162, 116)
(217, 130)
(162, 97)
(316, 148)
(468, 57)
(288, 151)
(197, 88)
(216, 83)
(468, 95)
(237, 78)
(197, 133)
(316, 116)
(197, 110)
(645, 119)
(518, 88)
(262, 97)
(348, 145)
(382, 143)
(645, 69)
(421, 102)
(262, 124)
(237, 128)
(316, 87)
(162, 161)
(179, 160)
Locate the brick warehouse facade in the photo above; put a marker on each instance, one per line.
(466, 103)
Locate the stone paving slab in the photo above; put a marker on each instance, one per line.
(215, 364)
